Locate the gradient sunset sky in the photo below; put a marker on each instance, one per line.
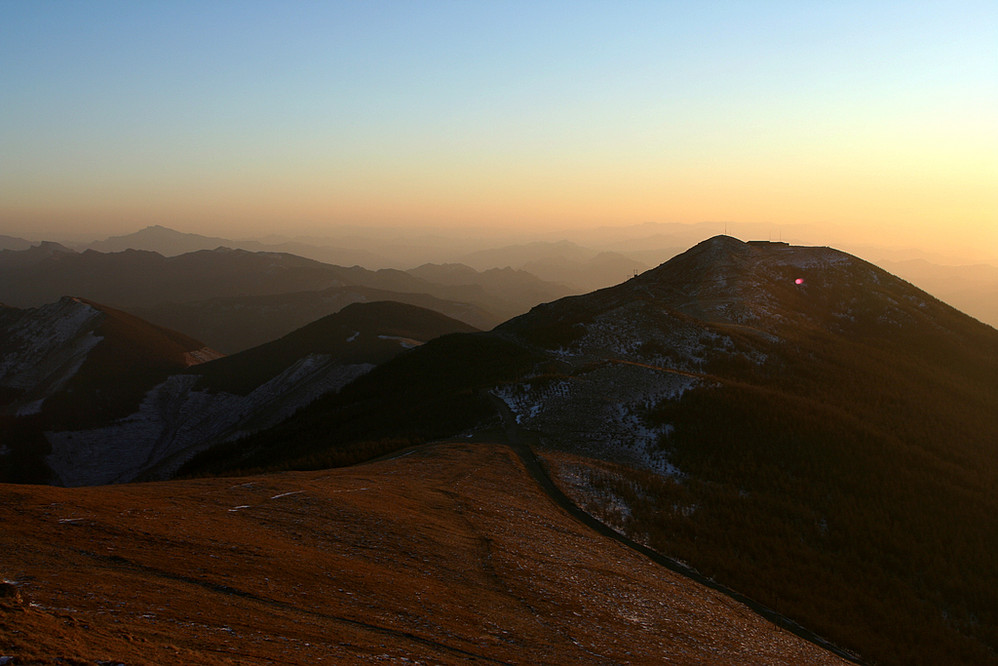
(246, 118)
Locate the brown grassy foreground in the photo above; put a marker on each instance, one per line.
(450, 554)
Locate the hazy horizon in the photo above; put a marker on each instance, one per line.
(847, 125)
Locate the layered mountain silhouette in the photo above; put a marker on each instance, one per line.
(136, 277)
(582, 268)
(170, 242)
(13, 243)
(793, 421)
(160, 239)
(284, 291)
(972, 289)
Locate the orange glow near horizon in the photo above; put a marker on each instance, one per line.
(875, 208)
(873, 123)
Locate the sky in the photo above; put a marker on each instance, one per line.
(246, 118)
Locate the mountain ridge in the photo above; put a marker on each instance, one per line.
(795, 397)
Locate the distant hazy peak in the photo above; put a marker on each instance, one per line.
(51, 247)
(13, 243)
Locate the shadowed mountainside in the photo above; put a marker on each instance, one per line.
(795, 422)
(172, 414)
(368, 333)
(237, 323)
(82, 362)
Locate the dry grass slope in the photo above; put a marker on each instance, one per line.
(449, 554)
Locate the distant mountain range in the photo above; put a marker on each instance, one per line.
(138, 277)
(582, 268)
(785, 419)
(169, 243)
(972, 289)
(180, 290)
(576, 265)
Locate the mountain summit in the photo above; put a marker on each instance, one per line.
(768, 285)
(158, 238)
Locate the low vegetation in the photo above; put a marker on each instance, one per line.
(859, 501)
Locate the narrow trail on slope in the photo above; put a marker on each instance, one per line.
(538, 472)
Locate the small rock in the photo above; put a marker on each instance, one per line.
(9, 591)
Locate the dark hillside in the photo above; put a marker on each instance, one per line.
(233, 324)
(836, 460)
(87, 363)
(428, 393)
(76, 364)
(97, 396)
(132, 356)
(796, 422)
(359, 333)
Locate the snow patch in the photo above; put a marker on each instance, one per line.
(293, 492)
(576, 413)
(29, 408)
(47, 346)
(202, 355)
(407, 343)
(174, 422)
